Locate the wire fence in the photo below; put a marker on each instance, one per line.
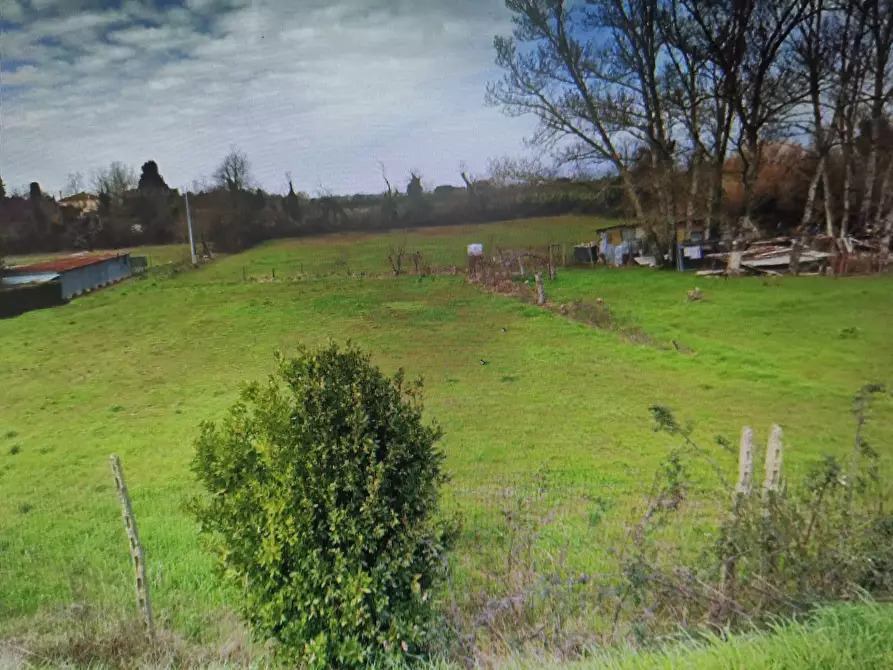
(490, 509)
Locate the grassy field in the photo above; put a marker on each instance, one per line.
(339, 254)
(133, 369)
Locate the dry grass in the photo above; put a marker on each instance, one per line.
(80, 637)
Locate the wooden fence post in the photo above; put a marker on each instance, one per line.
(745, 462)
(773, 460)
(719, 608)
(540, 292)
(136, 548)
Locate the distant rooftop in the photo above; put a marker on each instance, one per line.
(83, 195)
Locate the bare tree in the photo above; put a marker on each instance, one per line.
(698, 96)
(396, 254)
(813, 52)
(590, 75)
(234, 172)
(878, 17)
(475, 197)
(644, 85)
(74, 183)
(389, 211)
(115, 181)
(748, 42)
(527, 171)
(886, 236)
(848, 37)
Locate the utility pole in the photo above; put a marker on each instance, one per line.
(189, 224)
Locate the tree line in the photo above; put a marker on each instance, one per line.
(230, 212)
(689, 100)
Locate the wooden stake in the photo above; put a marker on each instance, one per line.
(136, 548)
(773, 460)
(540, 292)
(745, 462)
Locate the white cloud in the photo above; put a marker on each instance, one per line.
(12, 11)
(323, 90)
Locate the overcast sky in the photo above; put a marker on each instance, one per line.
(322, 89)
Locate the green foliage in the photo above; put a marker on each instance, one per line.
(783, 551)
(322, 487)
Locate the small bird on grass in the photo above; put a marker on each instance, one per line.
(483, 362)
(505, 330)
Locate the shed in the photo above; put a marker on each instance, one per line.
(76, 274)
(619, 234)
(620, 243)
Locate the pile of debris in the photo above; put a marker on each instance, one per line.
(786, 255)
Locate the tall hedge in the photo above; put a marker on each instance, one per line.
(321, 489)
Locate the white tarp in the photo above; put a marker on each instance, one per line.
(475, 249)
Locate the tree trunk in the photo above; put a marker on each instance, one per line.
(883, 198)
(751, 158)
(810, 196)
(692, 196)
(870, 175)
(847, 188)
(630, 190)
(714, 207)
(886, 236)
(828, 198)
(748, 182)
(668, 205)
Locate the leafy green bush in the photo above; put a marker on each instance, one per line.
(321, 493)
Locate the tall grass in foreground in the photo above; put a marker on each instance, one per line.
(839, 638)
(843, 637)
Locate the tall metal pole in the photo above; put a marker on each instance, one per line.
(189, 224)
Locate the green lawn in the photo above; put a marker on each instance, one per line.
(133, 369)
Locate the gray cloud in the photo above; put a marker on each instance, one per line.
(324, 90)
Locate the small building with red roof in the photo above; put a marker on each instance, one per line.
(75, 274)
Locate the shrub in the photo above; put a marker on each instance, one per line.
(787, 549)
(321, 493)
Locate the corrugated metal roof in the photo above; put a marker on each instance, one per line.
(63, 264)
